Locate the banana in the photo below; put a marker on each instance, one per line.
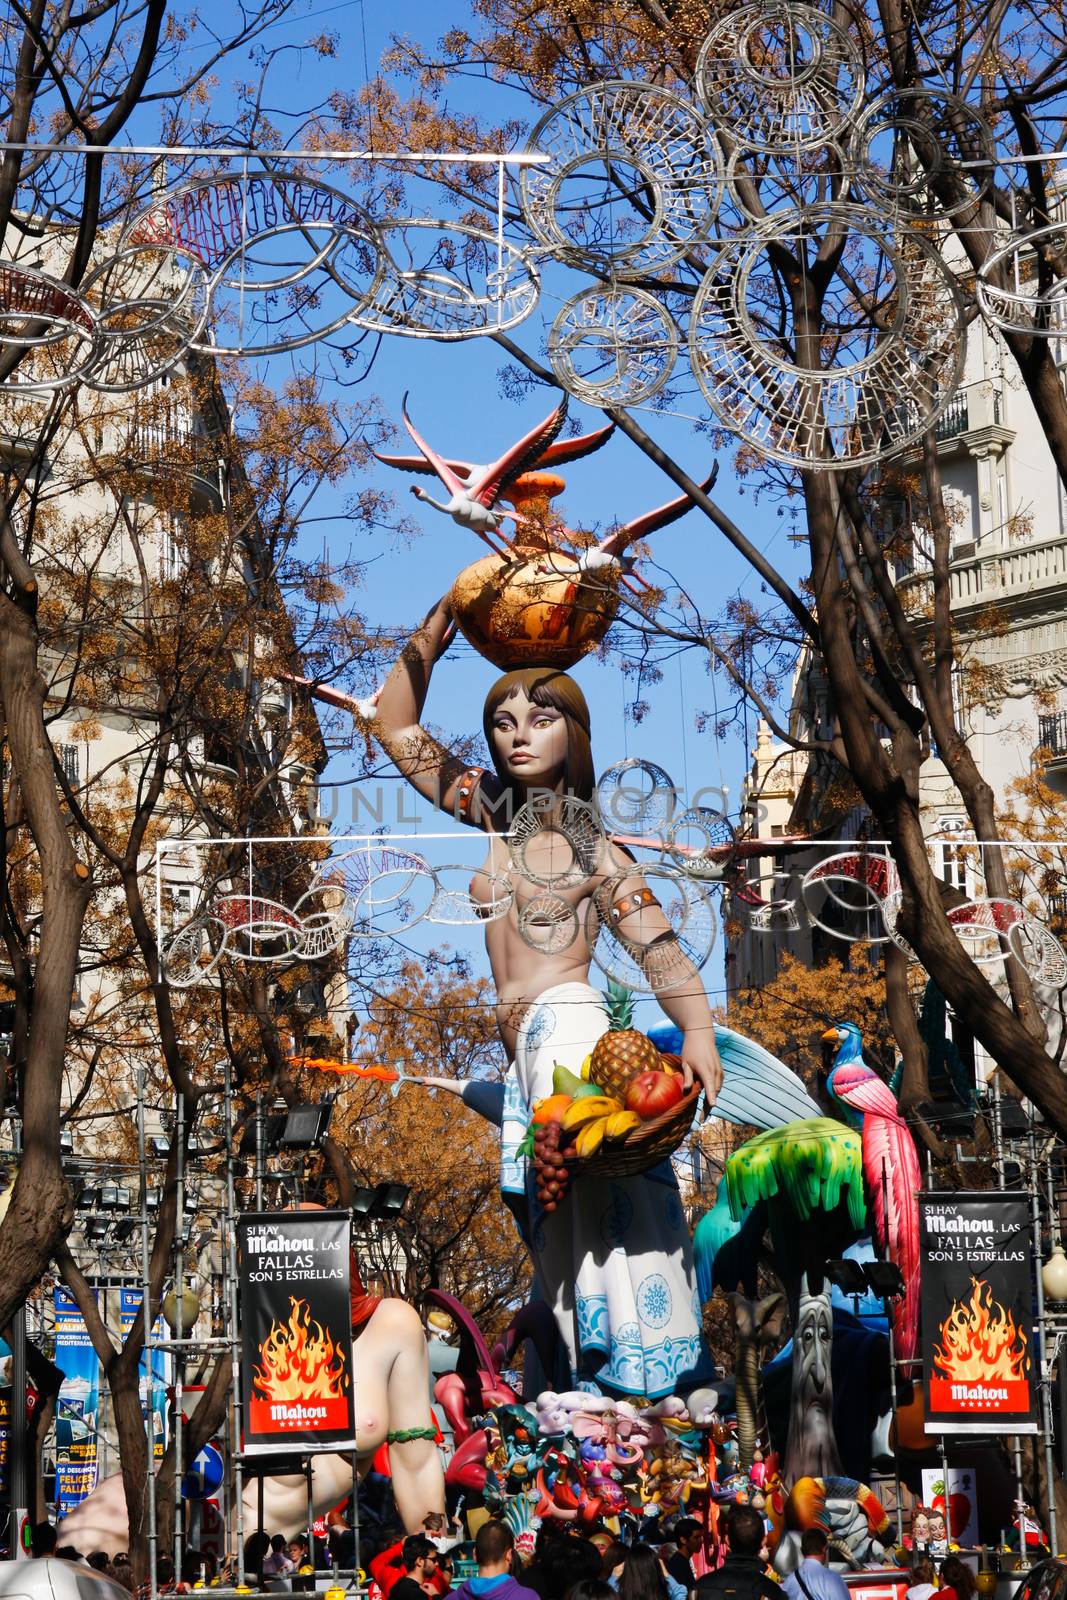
(584, 1069)
(591, 1138)
(620, 1123)
(581, 1112)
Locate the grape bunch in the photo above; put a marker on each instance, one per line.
(550, 1165)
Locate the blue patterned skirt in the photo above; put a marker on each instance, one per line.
(615, 1261)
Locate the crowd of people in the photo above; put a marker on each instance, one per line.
(558, 1562)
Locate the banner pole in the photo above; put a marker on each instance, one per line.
(139, 1074)
(179, 1354)
(357, 1562)
(1020, 1503)
(235, 1340)
(889, 1310)
(1044, 1368)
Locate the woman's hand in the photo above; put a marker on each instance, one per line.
(700, 1061)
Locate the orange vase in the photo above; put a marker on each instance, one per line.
(534, 610)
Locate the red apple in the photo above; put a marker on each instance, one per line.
(652, 1093)
(959, 1512)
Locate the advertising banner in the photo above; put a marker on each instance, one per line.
(957, 1510)
(129, 1305)
(78, 1406)
(296, 1331)
(977, 1313)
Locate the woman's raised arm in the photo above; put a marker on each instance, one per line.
(428, 765)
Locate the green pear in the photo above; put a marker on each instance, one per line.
(565, 1082)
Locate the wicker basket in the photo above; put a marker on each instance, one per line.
(647, 1145)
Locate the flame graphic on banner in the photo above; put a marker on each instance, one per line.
(980, 1340)
(299, 1361)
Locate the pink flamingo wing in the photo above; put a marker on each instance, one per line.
(520, 458)
(565, 450)
(462, 469)
(641, 527)
(438, 463)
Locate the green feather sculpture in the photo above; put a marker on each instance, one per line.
(812, 1165)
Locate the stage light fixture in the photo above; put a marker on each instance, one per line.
(847, 1275)
(885, 1278)
(305, 1126)
(390, 1199)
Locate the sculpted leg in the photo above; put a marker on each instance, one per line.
(392, 1373)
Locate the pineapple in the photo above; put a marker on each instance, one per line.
(621, 1053)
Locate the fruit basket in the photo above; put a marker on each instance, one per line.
(645, 1146)
(628, 1112)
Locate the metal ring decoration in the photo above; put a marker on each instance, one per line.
(214, 220)
(1037, 949)
(780, 77)
(150, 310)
(326, 914)
(781, 182)
(41, 316)
(458, 907)
(656, 162)
(988, 923)
(391, 889)
(760, 915)
(548, 924)
(557, 844)
(655, 962)
(181, 958)
(911, 145)
(261, 922)
(889, 384)
(875, 876)
(613, 345)
(707, 860)
(635, 797)
(227, 223)
(1025, 307)
(457, 285)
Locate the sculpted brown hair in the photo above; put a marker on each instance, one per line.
(544, 686)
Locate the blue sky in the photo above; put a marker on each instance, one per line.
(456, 401)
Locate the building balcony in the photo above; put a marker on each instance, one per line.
(981, 577)
(971, 424)
(162, 441)
(1052, 740)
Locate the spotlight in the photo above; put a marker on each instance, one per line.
(847, 1275)
(66, 1142)
(390, 1199)
(362, 1202)
(885, 1278)
(159, 1145)
(305, 1126)
(1014, 1122)
(273, 1128)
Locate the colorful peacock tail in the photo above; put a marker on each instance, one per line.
(621, 1053)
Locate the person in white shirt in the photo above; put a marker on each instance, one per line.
(813, 1580)
(921, 1583)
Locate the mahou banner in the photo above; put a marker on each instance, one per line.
(977, 1313)
(296, 1331)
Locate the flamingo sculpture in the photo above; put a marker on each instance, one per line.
(475, 489)
(520, 475)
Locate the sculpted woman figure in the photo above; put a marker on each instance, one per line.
(614, 1261)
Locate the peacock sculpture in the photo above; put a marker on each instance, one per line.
(890, 1166)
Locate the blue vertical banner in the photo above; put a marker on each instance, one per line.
(78, 1407)
(154, 1394)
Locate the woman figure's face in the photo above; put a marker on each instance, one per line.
(529, 742)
